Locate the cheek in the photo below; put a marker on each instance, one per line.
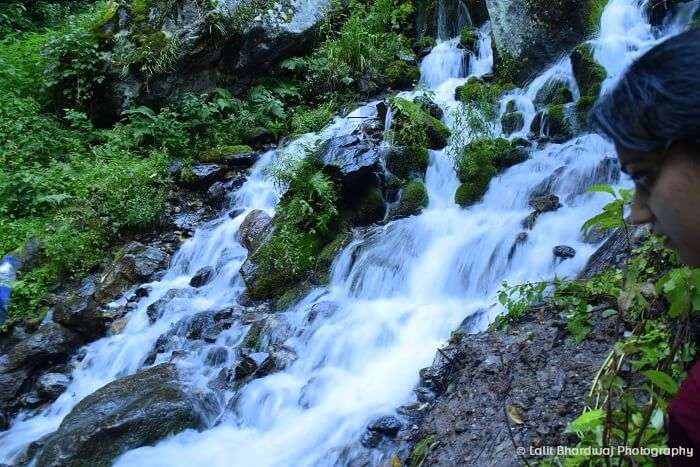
(673, 201)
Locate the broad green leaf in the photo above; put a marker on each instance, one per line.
(587, 421)
(602, 189)
(662, 380)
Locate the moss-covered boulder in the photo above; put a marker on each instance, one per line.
(414, 127)
(469, 38)
(369, 209)
(554, 92)
(240, 155)
(402, 75)
(553, 123)
(589, 74)
(413, 199)
(582, 109)
(476, 90)
(512, 122)
(407, 162)
(530, 34)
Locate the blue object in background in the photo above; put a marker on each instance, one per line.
(8, 274)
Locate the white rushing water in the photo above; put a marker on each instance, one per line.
(400, 288)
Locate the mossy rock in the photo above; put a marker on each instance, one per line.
(476, 91)
(583, 107)
(407, 162)
(470, 192)
(370, 209)
(589, 74)
(414, 127)
(414, 198)
(253, 338)
(511, 106)
(423, 43)
(512, 122)
(469, 38)
(328, 254)
(558, 125)
(291, 297)
(510, 157)
(478, 159)
(553, 92)
(402, 74)
(220, 155)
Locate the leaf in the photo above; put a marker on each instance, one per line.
(662, 380)
(588, 421)
(602, 189)
(609, 312)
(515, 414)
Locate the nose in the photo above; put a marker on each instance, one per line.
(641, 214)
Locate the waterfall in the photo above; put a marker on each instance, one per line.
(400, 288)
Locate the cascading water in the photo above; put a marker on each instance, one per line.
(399, 289)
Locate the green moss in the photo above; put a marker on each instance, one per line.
(505, 69)
(476, 91)
(588, 72)
(512, 122)
(292, 296)
(414, 198)
(370, 209)
(414, 127)
(420, 451)
(595, 8)
(401, 74)
(558, 126)
(468, 37)
(328, 254)
(252, 339)
(583, 107)
(424, 42)
(479, 162)
(221, 153)
(554, 91)
(406, 162)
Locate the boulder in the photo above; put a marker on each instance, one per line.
(564, 252)
(51, 343)
(512, 122)
(128, 413)
(589, 74)
(554, 91)
(258, 137)
(137, 264)
(412, 200)
(545, 203)
(202, 277)
(216, 193)
(553, 123)
(81, 314)
(51, 385)
(402, 75)
(387, 425)
(531, 34)
(220, 43)
(469, 38)
(406, 162)
(202, 176)
(30, 255)
(256, 364)
(349, 154)
(253, 229)
(429, 106)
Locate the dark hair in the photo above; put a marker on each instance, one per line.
(657, 100)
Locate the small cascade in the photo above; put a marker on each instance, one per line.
(398, 290)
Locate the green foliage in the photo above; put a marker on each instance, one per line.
(420, 451)
(302, 226)
(414, 128)
(468, 37)
(30, 15)
(306, 120)
(612, 216)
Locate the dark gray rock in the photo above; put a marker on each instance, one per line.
(51, 343)
(216, 356)
(253, 229)
(256, 365)
(350, 154)
(202, 176)
(82, 315)
(564, 252)
(30, 255)
(512, 122)
(202, 277)
(371, 439)
(545, 203)
(429, 106)
(137, 264)
(323, 309)
(243, 160)
(387, 425)
(131, 412)
(258, 137)
(51, 385)
(217, 192)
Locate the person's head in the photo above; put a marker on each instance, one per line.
(653, 117)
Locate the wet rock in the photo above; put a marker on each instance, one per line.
(425, 395)
(350, 155)
(529, 35)
(564, 252)
(81, 314)
(512, 122)
(589, 74)
(372, 128)
(613, 252)
(202, 277)
(256, 364)
(30, 256)
(51, 343)
(235, 213)
(216, 356)
(202, 176)
(216, 193)
(413, 198)
(4, 421)
(371, 439)
(254, 229)
(429, 106)
(555, 91)
(545, 203)
(156, 309)
(520, 239)
(137, 264)
(117, 327)
(388, 425)
(51, 385)
(128, 413)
